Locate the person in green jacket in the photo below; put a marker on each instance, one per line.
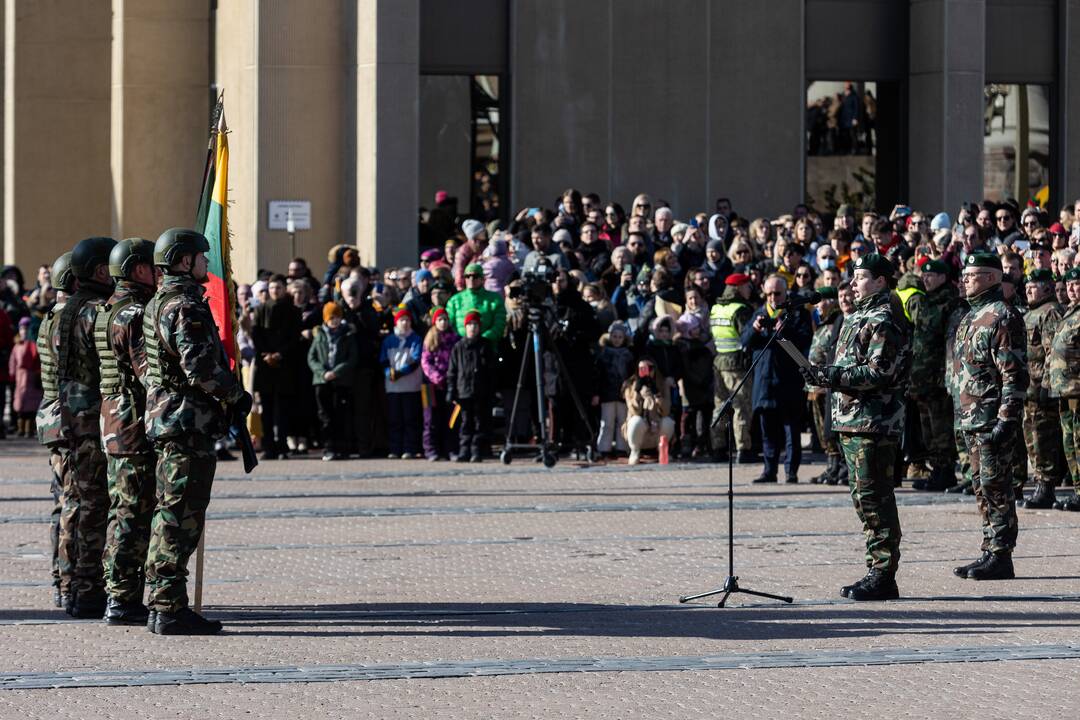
(332, 358)
(474, 297)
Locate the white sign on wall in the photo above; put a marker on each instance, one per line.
(279, 212)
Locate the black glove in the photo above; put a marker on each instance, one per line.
(1003, 433)
(241, 408)
(814, 375)
(1044, 395)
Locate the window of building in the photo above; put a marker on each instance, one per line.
(1016, 134)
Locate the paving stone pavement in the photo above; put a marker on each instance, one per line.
(394, 589)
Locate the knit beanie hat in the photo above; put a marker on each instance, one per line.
(472, 317)
(331, 310)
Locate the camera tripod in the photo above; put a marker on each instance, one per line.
(537, 334)
(726, 412)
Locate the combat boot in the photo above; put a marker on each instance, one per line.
(125, 613)
(846, 590)
(998, 566)
(963, 570)
(89, 605)
(958, 488)
(1042, 498)
(877, 585)
(830, 472)
(1069, 504)
(918, 475)
(185, 621)
(941, 479)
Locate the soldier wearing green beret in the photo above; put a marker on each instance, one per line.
(1042, 423)
(1063, 378)
(990, 379)
(867, 379)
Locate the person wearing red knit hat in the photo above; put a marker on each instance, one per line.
(727, 319)
(400, 359)
(469, 383)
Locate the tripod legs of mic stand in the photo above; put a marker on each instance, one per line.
(731, 586)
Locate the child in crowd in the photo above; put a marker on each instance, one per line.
(435, 360)
(400, 359)
(648, 406)
(24, 368)
(696, 388)
(615, 363)
(332, 359)
(470, 383)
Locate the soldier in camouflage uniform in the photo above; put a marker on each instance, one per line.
(727, 319)
(1017, 462)
(1063, 379)
(86, 494)
(927, 399)
(872, 361)
(822, 349)
(49, 426)
(966, 485)
(119, 341)
(911, 461)
(990, 379)
(190, 396)
(1042, 424)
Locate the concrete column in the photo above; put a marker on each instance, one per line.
(57, 188)
(160, 113)
(756, 100)
(387, 136)
(945, 108)
(283, 68)
(1068, 130)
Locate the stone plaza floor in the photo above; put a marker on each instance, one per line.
(434, 590)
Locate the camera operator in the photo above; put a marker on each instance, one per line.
(575, 331)
(544, 249)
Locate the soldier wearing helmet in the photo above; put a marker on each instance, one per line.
(118, 338)
(190, 396)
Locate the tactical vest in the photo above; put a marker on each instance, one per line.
(50, 381)
(113, 379)
(75, 363)
(161, 368)
(724, 331)
(904, 296)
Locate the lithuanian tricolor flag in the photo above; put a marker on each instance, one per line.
(212, 222)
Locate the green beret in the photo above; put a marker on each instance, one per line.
(827, 292)
(936, 266)
(878, 265)
(845, 210)
(1073, 274)
(983, 260)
(474, 269)
(1040, 276)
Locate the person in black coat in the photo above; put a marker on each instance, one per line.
(469, 381)
(576, 334)
(778, 397)
(276, 336)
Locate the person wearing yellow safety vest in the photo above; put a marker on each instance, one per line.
(907, 299)
(728, 317)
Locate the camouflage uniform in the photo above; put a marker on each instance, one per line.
(822, 349)
(872, 361)
(1063, 378)
(989, 375)
(955, 317)
(1042, 424)
(930, 402)
(727, 319)
(85, 514)
(119, 340)
(188, 379)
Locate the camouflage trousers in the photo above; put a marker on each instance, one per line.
(870, 461)
(1070, 436)
(935, 415)
(57, 458)
(83, 518)
(185, 474)
(994, 491)
(726, 380)
(819, 403)
(131, 507)
(962, 457)
(1042, 437)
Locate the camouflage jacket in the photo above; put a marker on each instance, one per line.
(989, 363)
(188, 377)
(955, 317)
(1063, 359)
(122, 430)
(872, 362)
(930, 322)
(1041, 323)
(80, 376)
(49, 422)
(823, 344)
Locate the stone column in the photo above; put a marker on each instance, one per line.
(387, 135)
(57, 188)
(947, 73)
(160, 113)
(1068, 129)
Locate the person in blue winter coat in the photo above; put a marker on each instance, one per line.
(400, 358)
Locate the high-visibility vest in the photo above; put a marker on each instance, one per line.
(905, 295)
(722, 323)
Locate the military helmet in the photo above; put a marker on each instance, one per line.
(90, 253)
(175, 243)
(63, 276)
(128, 253)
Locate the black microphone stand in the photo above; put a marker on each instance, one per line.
(727, 411)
